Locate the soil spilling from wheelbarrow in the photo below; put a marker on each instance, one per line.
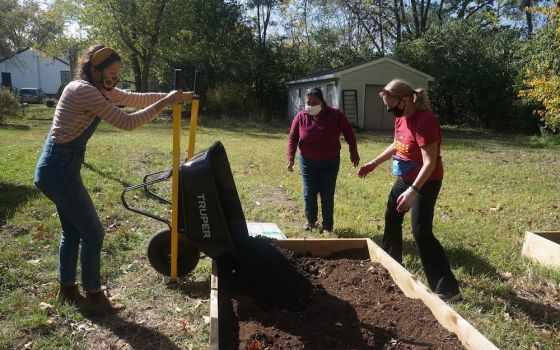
(273, 299)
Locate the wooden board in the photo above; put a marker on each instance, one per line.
(543, 248)
(214, 329)
(469, 336)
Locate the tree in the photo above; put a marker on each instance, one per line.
(261, 19)
(214, 41)
(475, 70)
(62, 14)
(23, 24)
(141, 29)
(542, 70)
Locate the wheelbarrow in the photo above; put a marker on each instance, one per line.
(210, 217)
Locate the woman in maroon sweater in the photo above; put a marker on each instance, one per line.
(316, 130)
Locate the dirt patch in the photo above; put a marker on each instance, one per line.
(537, 298)
(14, 230)
(131, 329)
(171, 319)
(277, 196)
(273, 299)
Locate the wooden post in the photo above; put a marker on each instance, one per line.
(175, 180)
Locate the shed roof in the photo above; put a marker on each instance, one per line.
(28, 48)
(339, 71)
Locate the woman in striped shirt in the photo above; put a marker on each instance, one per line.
(87, 100)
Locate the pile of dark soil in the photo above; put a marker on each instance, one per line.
(273, 299)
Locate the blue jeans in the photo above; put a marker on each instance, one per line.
(319, 177)
(58, 176)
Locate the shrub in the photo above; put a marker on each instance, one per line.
(228, 97)
(50, 103)
(8, 104)
(541, 79)
(476, 73)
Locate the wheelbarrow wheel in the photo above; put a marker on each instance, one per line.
(159, 254)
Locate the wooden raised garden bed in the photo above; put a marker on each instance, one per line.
(329, 294)
(543, 248)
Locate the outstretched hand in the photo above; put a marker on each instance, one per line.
(366, 169)
(179, 96)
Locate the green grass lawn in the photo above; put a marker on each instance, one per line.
(496, 187)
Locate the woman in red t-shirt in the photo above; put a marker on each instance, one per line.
(417, 164)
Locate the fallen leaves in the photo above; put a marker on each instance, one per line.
(478, 211)
(255, 345)
(497, 208)
(505, 276)
(45, 306)
(42, 233)
(83, 327)
(185, 326)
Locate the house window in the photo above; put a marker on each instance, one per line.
(64, 77)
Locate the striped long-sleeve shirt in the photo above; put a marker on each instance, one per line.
(81, 102)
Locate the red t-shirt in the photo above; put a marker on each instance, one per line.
(420, 129)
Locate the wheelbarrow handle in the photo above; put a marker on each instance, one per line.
(166, 176)
(140, 211)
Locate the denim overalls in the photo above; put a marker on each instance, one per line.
(58, 176)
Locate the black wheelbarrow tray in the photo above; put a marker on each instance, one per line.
(211, 219)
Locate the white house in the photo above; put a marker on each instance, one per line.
(354, 89)
(30, 68)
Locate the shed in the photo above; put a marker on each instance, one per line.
(354, 89)
(30, 68)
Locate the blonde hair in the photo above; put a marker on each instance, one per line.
(401, 88)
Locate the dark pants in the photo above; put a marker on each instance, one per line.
(319, 177)
(436, 266)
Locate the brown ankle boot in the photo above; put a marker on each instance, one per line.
(70, 294)
(97, 304)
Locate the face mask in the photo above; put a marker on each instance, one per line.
(313, 110)
(396, 110)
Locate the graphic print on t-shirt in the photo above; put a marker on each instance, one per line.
(401, 146)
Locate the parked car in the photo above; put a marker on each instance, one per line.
(31, 95)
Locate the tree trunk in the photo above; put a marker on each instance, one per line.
(440, 12)
(145, 74)
(415, 17)
(404, 18)
(398, 25)
(424, 12)
(305, 2)
(137, 70)
(73, 58)
(528, 15)
(463, 10)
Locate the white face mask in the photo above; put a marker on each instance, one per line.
(313, 110)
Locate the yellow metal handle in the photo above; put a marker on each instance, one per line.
(192, 128)
(175, 189)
